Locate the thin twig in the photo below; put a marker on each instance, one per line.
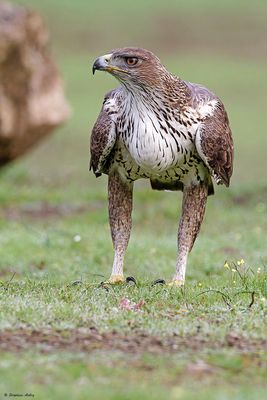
(225, 297)
(253, 293)
(252, 299)
(10, 280)
(92, 274)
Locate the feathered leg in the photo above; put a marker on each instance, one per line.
(120, 210)
(193, 209)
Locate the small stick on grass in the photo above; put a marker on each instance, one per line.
(10, 280)
(253, 293)
(225, 297)
(252, 299)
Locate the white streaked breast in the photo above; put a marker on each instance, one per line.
(152, 147)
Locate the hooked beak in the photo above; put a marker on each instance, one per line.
(102, 64)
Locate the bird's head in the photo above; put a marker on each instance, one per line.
(132, 66)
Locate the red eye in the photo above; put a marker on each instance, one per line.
(131, 61)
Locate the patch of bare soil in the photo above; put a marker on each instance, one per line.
(88, 340)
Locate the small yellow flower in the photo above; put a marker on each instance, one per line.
(226, 265)
(233, 270)
(199, 284)
(241, 262)
(234, 282)
(263, 300)
(259, 270)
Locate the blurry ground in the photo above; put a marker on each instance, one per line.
(55, 247)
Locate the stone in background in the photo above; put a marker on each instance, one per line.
(32, 101)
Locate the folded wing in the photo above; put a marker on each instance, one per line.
(214, 144)
(103, 139)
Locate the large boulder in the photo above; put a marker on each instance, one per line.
(32, 101)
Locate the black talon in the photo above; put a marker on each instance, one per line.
(104, 286)
(159, 281)
(131, 279)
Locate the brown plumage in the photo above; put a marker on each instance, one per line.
(159, 127)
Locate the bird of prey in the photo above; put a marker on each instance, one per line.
(159, 127)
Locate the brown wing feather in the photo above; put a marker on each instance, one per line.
(214, 144)
(102, 141)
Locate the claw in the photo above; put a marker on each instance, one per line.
(158, 281)
(104, 286)
(131, 279)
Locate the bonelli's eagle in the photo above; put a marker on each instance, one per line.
(159, 127)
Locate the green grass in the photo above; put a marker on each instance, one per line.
(50, 283)
(46, 303)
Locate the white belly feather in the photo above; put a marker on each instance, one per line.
(153, 148)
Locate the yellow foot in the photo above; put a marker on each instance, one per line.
(116, 279)
(176, 283)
